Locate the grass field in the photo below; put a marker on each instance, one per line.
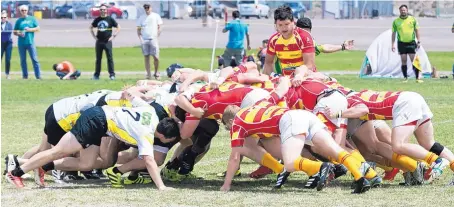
(24, 103)
(131, 59)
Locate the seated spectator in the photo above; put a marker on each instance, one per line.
(65, 70)
(262, 53)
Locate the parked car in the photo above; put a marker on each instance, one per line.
(255, 8)
(217, 9)
(128, 8)
(298, 9)
(112, 11)
(79, 9)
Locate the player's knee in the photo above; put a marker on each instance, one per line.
(398, 148)
(437, 148)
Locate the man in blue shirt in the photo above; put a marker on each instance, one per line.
(235, 46)
(25, 29)
(7, 42)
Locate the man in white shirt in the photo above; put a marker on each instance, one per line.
(148, 30)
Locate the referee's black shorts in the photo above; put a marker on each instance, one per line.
(406, 47)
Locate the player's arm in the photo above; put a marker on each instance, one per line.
(232, 167)
(153, 169)
(188, 128)
(328, 48)
(197, 75)
(268, 66)
(393, 35)
(148, 82)
(353, 112)
(182, 101)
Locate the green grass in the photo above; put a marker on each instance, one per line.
(131, 59)
(24, 104)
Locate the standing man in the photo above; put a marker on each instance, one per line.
(407, 28)
(148, 30)
(235, 46)
(104, 38)
(293, 47)
(452, 30)
(25, 29)
(7, 42)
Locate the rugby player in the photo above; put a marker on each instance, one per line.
(293, 47)
(295, 129)
(409, 113)
(135, 126)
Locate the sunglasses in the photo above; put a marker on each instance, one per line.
(3, 17)
(146, 7)
(23, 10)
(102, 9)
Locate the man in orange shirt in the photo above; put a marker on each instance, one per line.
(65, 70)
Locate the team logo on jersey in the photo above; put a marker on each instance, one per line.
(103, 25)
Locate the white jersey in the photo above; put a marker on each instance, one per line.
(134, 126)
(114, 99)
(162, 96)
(67, 110)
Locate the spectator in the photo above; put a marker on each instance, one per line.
(235, 47)
(148, 30)
(262, 53)
(25, 29)
(65, 70)
(452, 30)
(104, 38)
(407, 28)
(7, 42)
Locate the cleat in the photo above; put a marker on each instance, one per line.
(436, 170)
(261, 172)
(281, 179)
(408, 179)
(11, 163)
(90, 175)
(405, 81)
(418, 174)
(339, 170)
(375, 182)
(16, 181)
(325, 170)
(419, 81)
(139, 180)
(312, 182)
(222, 174)
(362, 185)
(39, 176)
(72, 176)
(114, 178)
(390, 175)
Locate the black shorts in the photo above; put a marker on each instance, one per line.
(406, 47)
(90, 127)
(52, 129)
(102, 101)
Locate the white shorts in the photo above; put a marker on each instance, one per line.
(409, 107)
(335, 102)
(298, 122)
(150, 47)
(253, 97)
(354, 124)
(160, 149)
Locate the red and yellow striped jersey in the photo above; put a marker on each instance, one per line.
(380, 104)
(237, 70)
(268, 85)
(290, 51)
(341, 88)
(260, 121)
(215, 101)
(305, 96)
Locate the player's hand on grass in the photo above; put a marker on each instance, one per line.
(225, 188)
(165, 188)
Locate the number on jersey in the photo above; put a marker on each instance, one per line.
(146, 116)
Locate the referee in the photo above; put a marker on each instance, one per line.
(407, 28)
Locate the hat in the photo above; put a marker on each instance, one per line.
(304, 23)
(172, 68)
